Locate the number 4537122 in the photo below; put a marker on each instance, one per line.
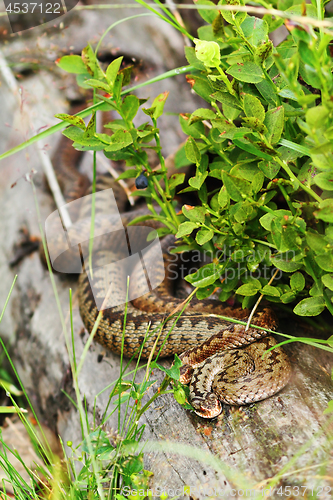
(29, 8)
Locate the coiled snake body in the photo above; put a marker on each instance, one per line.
(221, 361)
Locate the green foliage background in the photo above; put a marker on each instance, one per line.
(265, 141)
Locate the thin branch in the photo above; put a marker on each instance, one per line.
(258, 302)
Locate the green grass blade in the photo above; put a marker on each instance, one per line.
(86, 112)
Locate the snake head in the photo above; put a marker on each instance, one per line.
(207, 406)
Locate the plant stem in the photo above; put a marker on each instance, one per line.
(159, 391)
(296, 181)
(287, 198)
(175, 24)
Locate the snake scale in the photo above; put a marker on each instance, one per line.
(221, 361)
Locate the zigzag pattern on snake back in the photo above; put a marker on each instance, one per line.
(221, 360)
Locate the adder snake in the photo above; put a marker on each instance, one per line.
(221, 361)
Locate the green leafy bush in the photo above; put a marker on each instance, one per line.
(262, 152)
(268, 139)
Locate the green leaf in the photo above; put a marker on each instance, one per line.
(192, 151)
(250, 148)
(254, 124)
(276, 232)
(327, 279)
(203, 293)
(175, 180)
(271, 291)
(316, 290)
(9, 387)
(112, 71)
(310, 75)
(192, 59)
(257, 182)
(159, 103)
(308, 53)
(73, 120)
(207, 32)
(267, 92)
(274, 122)
(223, 198)
(180, 158)
(288, 297)
(202, 114)
(206, 275)
(204, 235)
(247, 170)
(208, 15)
(152, 112)
(98, 84)
(217, 27)
(255, 30)
(329, 233)
(90, 144)
(172, 372)
(186, 228)
(77, 135)
(227, 130)
(316, 241)
(81, 80)
(281, 261)
(316, 116)
(119, 140)
(325, 261)
(226, 99)
(125, 74)
(130, 107)
(197, 181)
(311, 306)
(246, 72)
(91, 63)
(249, 289)
(232, 17)
(324, 180)
(121, 387)
(325, 211)
(196, 130)
(307, 173)
(289, 236)
(242, 211)
(263, 52)
(297, 282)
(201, 85)
(72, 64)
(253, 107)
(128, 174)
(236, 187)
(194, 214)
(91, 127)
